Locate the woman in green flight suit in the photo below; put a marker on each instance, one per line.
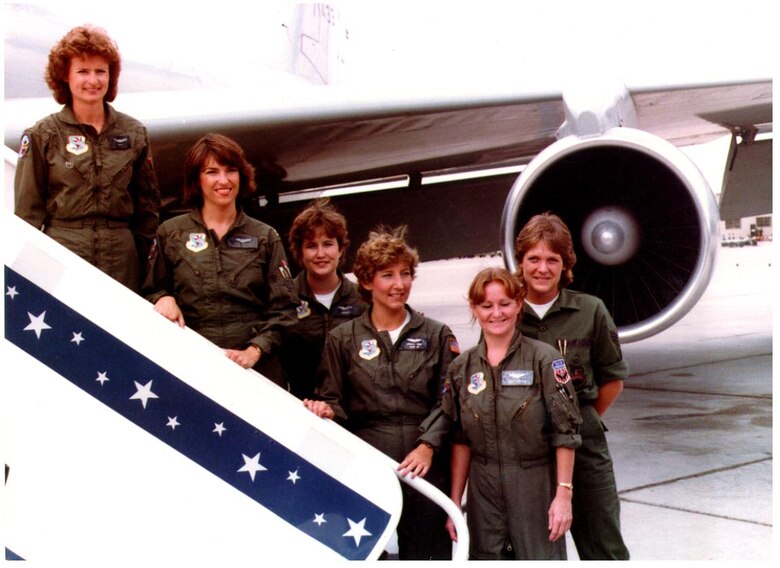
(220, 271)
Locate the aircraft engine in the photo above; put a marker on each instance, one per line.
(643, 219)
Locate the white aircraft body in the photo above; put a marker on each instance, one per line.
(125, 433)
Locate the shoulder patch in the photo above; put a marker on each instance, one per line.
(561, 371)
(24, 146)
(153, 250)
(453, 345)
(415, 344)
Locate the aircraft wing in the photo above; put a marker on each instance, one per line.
(318, 136)
(306, 142)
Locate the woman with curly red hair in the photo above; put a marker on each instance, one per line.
(85, 175)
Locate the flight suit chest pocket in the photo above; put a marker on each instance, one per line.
(192, 255)
(516, 389)
(516, 399)
(369, 365)
(415, 358)
(244, 262)
(117, 167)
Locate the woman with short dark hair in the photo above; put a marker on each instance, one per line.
(318, 240)
(220, 271)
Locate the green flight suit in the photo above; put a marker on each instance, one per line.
(96, 194)
(580, 327)
(234, 291)
(382, 392)
(303, 343)
(513, 417)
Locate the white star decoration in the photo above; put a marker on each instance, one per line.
(357, 530)
(252, 465)
(144, 392)
(293, 476)
(37, 324)
(174, 393)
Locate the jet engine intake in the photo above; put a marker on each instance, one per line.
(643, 219)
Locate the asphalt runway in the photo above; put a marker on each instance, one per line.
(691, 435)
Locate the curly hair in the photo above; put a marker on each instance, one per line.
(78, 42)
(318, 214)
(551, 229)
(226, 152)
(384, 247)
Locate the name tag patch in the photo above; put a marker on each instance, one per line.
(415, 344)
(517, 378)
(242, 242)
(345, 311)
(120, 142)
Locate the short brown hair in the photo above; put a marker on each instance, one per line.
(551, 229)
(319, 213)
(384, 247)
(78, 42)
(226, 152)
(494, 274)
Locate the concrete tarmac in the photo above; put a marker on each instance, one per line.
(691, 435)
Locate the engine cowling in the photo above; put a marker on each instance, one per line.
(643, 218)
